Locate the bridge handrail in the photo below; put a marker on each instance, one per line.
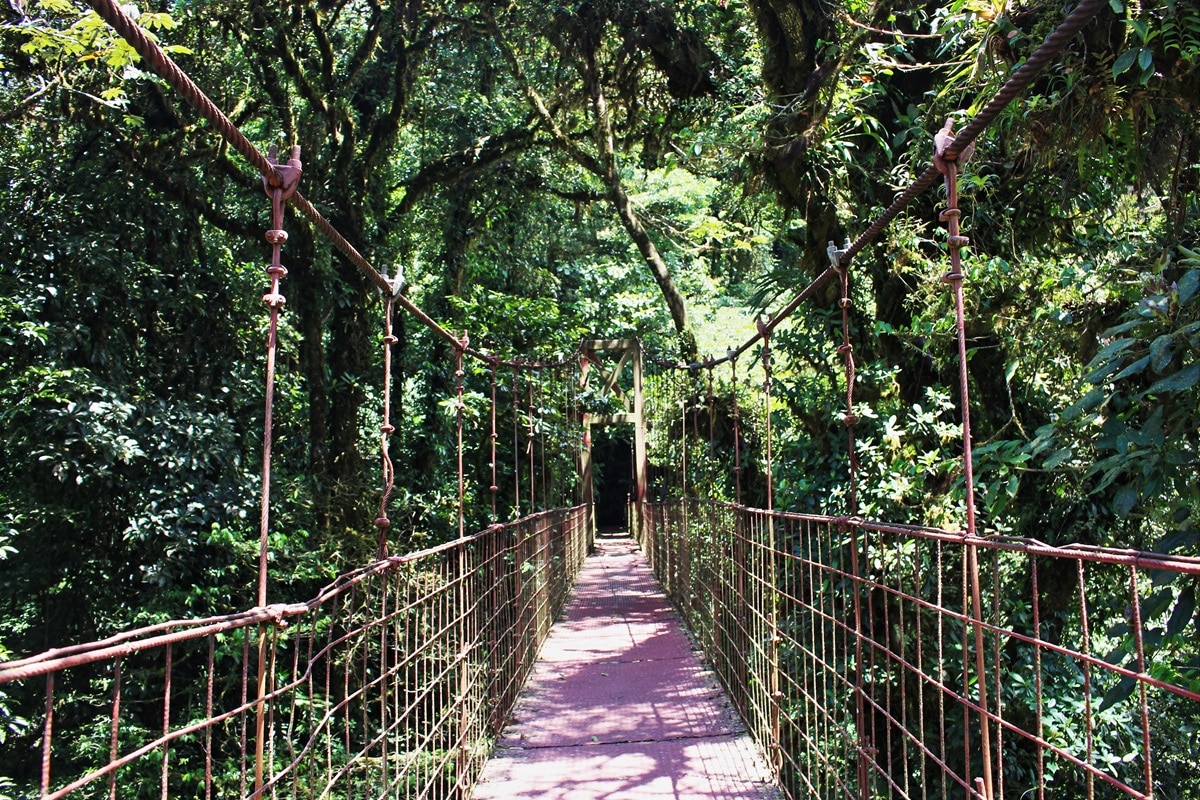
(847, 644)
(400, 672)
(148, 637)
(1145, 559)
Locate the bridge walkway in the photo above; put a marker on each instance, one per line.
(619, 705)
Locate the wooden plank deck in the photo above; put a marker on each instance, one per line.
(620, 707)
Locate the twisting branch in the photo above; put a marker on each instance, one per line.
(604, 167)
(454, 167)
(23, 107)
(324, 46)
(581, 156)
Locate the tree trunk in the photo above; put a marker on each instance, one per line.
(658, 267)
(611, 176)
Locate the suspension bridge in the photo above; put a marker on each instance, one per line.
(863, 659)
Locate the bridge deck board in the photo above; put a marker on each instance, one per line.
(620, 707)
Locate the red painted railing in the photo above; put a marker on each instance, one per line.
(855, 653)
(392, 682)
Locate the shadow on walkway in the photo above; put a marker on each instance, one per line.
(619, 706)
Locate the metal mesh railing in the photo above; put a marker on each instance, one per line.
(851, 650)
(393, 682)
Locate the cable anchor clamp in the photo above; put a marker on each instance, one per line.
(835, 255)
(944, 156)
(397, 284)
(283, 177)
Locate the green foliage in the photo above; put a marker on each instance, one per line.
(1175, 25)
(1125, 443)
(130, 273)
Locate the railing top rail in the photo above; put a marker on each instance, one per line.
(173, 632)
(1143, 559)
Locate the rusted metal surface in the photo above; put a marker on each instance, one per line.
(947, 161)
(459, 409)
(279, 182)
(392, 680)
(386, 429)
(883, 616)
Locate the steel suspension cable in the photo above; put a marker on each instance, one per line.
(1020, 80)
(1012, 88)
(166, 67)
(162, 64)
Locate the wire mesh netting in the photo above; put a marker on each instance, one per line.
(857, 656)
(393, 682)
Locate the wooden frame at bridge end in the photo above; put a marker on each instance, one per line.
(629, 354)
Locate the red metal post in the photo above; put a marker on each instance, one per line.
(948, 164)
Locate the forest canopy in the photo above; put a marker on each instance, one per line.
(542, 173)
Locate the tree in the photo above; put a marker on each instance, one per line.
(639, 56)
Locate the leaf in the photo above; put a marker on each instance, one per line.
(1119, 693)
(1124, 502)
(58, 6)
(1145, 58)
(158, 20)
(1086, 403)
(1124, 62)
(1185, 607)
(1152, 434)
(1175, 540)
(1057, 458)
(1161, 600)
(1160, 352)
(1180, 381)
(1124, 327)
(1112, 468)
(1118, 655)
(1111, 349)
(1132, 369)
(1188, 285)
(1102, 373)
